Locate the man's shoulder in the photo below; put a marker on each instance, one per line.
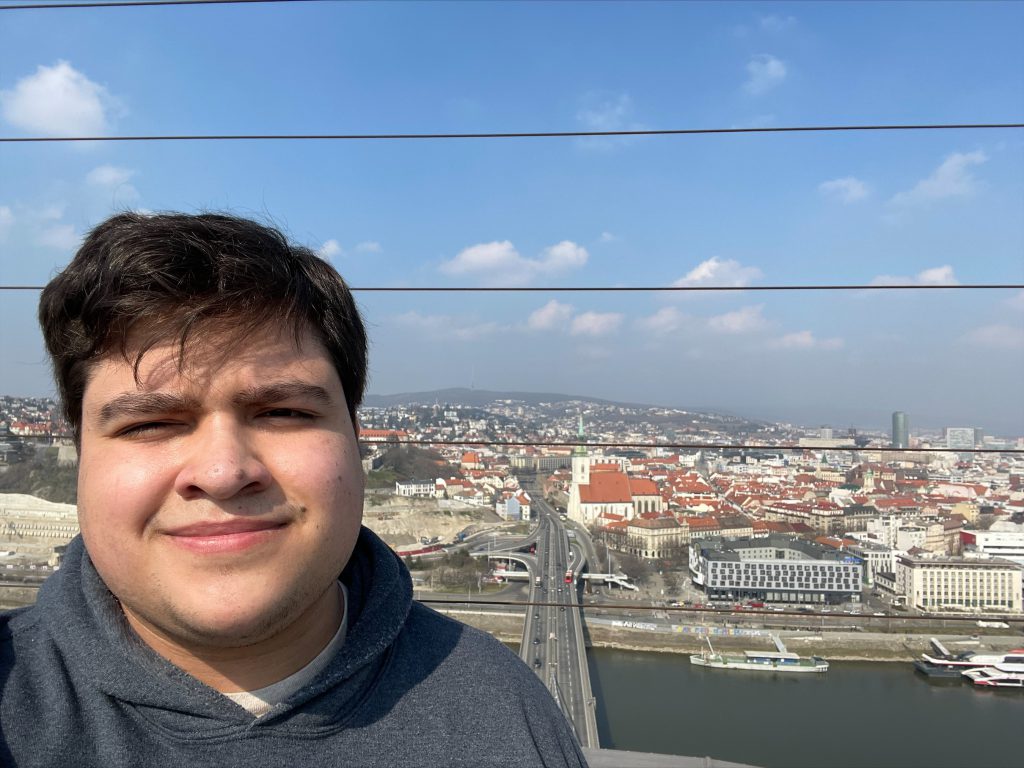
(466, 645)
(449, 678)
(444, 653)
(17, 622)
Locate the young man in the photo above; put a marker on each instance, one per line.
(223, 604)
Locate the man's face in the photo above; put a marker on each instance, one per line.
(220, 501)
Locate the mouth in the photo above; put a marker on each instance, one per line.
(225, 537)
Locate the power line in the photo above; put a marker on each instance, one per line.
(140, 3)
(722, 611)
(647, 288)
(679, 446)
(507, 134)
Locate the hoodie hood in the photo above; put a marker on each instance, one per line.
(103, 652)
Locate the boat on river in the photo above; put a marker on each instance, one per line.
(928, 669)
(762, 661)
(966, 660)
(997, 676)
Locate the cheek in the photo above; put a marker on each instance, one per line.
(123, 490)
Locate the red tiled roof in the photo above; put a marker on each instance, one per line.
(606, 488)
(640, 486)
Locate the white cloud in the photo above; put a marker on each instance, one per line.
(933, 276)
(764, 73)
(551, 315)
(60, 236)
(998, 336)
(499, 263)
(595, 323)
(953, 178)
(448, 327)
(563, 256)
(937, 276)
(329, 249)
(665, 320)
(743, 320)
(6, 221)
(1016, 302)
(368, 246)
(58, 101)
(607, 237)
(806, 340)
(848, 189)
(110, 177)
(719, 272)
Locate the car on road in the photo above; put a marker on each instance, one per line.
(536, 615)
(563, 607)
(536, 663)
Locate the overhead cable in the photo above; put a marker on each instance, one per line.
(650, 288)
(678, 446)
(638, 606)
(139, 3)
(506, 134)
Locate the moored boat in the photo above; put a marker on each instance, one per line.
(997, 676)
(937, 670)
(761, 661)
(969, 659)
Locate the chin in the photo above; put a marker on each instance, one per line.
(241, 625)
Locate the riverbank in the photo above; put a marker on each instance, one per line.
(507, 626)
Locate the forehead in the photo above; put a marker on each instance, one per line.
(211, 357)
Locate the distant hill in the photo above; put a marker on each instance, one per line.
(478, 397)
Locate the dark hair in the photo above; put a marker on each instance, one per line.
(158, 277)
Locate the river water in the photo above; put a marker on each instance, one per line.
(856, 714)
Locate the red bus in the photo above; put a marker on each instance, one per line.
(568, 576)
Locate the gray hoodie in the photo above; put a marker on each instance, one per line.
(408, 688)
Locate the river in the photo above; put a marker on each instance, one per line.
(857, 714)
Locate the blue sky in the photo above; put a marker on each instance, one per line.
(768, 209)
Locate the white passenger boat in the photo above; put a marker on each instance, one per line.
(997, 676)
(761, 661)
(971, 660)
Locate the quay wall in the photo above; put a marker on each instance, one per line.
(834, 645)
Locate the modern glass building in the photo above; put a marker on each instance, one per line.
(900, 430)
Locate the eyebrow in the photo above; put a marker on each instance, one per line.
(135, 404)
(280, 391)
(132, 404)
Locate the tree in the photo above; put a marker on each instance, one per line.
(42, 476)
(634, 567)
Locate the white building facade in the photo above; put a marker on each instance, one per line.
(938, 584)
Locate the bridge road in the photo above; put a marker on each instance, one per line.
(553, 644)
(564, 665)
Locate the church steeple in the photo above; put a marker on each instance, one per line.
(580, 450)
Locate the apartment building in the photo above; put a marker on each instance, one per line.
(775, 569)
(960, 583)
(1008, 545)
(656, 538)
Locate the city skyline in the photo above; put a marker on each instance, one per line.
(928, 208)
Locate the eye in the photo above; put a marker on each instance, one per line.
(287, 413)
(146, 428)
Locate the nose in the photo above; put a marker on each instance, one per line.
(221, 463)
